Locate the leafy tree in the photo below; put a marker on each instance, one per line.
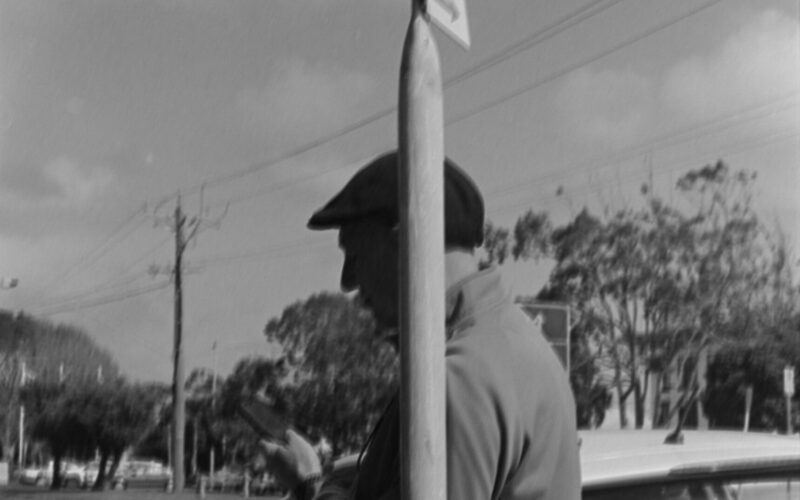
(56, 413)
(737, 365)
(592, 397)
(52, 354)
(231, 438)
(340, 374)
(117, 415)
(532, 236)
(77, 420)
(656, 286)
(495, 243)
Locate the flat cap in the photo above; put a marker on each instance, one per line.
(373, 191)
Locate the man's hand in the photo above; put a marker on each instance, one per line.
(291, 462)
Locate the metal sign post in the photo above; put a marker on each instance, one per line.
(788, 390)
(422, 317)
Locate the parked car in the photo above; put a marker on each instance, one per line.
(263, 484)
(702, 465)
(73, 475)
(142, 474)
(91, 471)
(36, 475)
(226, 479)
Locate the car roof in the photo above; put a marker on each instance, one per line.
(619, 456)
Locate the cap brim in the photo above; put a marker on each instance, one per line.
(325, 219)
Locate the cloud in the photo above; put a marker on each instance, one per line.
(303, 101)
(77, 185)
(759, 62)
(605, 106)
(63, 182)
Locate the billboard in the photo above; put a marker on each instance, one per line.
(554, 320)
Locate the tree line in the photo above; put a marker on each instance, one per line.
(331, 383)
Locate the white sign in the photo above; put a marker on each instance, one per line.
(788, 381)
(451, 17)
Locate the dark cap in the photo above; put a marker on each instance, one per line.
(373, 191)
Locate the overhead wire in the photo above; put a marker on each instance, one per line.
(516, 48)
(583, 62)
(640, 174)
(127, 294)
(114, 283)
(98, 251)
(581, 14)
(671, 139)
(261, 253)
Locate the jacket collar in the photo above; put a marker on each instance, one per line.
(476, 293)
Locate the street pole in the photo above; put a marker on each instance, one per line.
(748, 403)
(422, 297)
(213, 397)
(788, 391)
(21, 450)
(178, 396)
(179, 223)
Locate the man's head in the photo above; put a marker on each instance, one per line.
(366, 212)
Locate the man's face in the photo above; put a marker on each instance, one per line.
(371, 266)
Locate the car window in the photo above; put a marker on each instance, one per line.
(650, 491)
(788, 489)
(750, 489)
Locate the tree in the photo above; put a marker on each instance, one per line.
(56, 413)
(117, 415)
(592, 397)
(495, 244)
(341, 375)
(51, 354)
(735, 367)
(657, 286)
(230, 436)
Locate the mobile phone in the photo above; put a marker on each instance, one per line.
(267, 423)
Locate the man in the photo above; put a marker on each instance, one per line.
(510, 411)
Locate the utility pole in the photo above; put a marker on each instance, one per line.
(185, 231)
(178, 396)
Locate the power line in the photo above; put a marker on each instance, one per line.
(105, 300)
(259, 254)
(82, 294)
(100, 250)
(671, 139)
(576, 17)
(546, 33)
(569, 69)
(564, 23)
(597, 187)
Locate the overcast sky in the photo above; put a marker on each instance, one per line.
(109, 108)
